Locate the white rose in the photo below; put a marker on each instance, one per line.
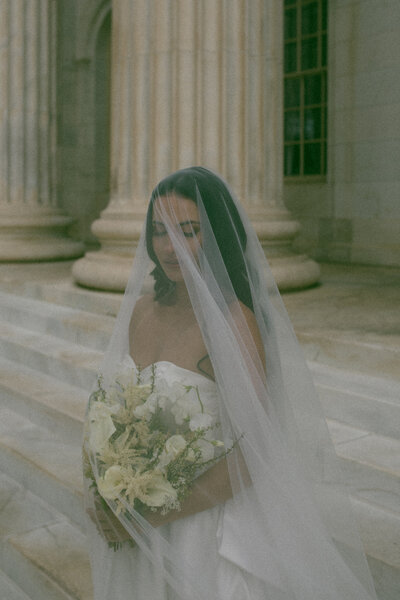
(173, 446)
(158, 491)
(146, 409)
(186, 407)
(169, 393)
(101, 424)
(206, 449)
(112, 482)
(200, 421)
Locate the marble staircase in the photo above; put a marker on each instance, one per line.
(51, 341)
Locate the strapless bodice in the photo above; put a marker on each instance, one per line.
(167, 369)
(172, 384)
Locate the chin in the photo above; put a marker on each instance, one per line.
(175, 277)
(173, 273)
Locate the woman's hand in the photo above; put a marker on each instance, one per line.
(211, 488)
(108, 525)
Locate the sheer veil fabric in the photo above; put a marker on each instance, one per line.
(201, 304)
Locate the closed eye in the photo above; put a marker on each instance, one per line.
(190, 234)
(189, 229)
(158, 230)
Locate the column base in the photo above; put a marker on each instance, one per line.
(109, 268)
(118, 230)
(276, 230)
(37, 238)
(294, 272)
(103, 271)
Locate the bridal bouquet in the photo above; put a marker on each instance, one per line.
(150, 442)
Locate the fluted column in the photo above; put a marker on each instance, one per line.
(134, 26)
(32, 227)
(196, 82)
(262, 172)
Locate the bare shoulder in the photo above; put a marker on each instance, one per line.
(143, 307)
(240, 310)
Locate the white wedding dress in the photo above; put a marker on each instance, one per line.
(288, 532)
(130, 574)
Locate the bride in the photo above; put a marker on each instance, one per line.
(242, 499)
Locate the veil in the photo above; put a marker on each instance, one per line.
(201, 298)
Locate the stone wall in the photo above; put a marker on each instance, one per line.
(354, 216)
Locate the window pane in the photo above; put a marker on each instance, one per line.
(305, 87)
(292, 126)
(309, 18)
(312, 124)
(290, 57)
(309, 53)
(292, 160)
(312, 89)
(312, 159)
(290, 23)
(292, 92)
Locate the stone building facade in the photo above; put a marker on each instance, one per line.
(103, 98)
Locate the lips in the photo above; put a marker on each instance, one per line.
(171, 263)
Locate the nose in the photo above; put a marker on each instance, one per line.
(167, 244)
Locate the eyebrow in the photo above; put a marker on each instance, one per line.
(182, 223)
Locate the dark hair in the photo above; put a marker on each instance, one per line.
(224, 220)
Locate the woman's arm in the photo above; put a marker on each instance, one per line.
(214, 486)
(211, 488)
(108, 525)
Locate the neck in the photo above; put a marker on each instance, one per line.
(182, 298)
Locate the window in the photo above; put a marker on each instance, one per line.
(305, 87)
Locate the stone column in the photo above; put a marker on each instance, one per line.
(120, 224)
(196, 82)
(32, 227)
(262, 170)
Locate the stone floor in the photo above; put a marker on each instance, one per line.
(357, 299)
(362, 301)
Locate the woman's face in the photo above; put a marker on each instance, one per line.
(182, 215)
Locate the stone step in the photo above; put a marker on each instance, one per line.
(369, 353)
(77, 326)
(66, 293)
(370, 462)
(43, 400)
(359, 399)
(366, 352)
(42, 553)
(61, 359)
(370, 459)
(51, 561)
(51, 467)
(43, 463)
(51, 470)
(9, 590)
(380, 534)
